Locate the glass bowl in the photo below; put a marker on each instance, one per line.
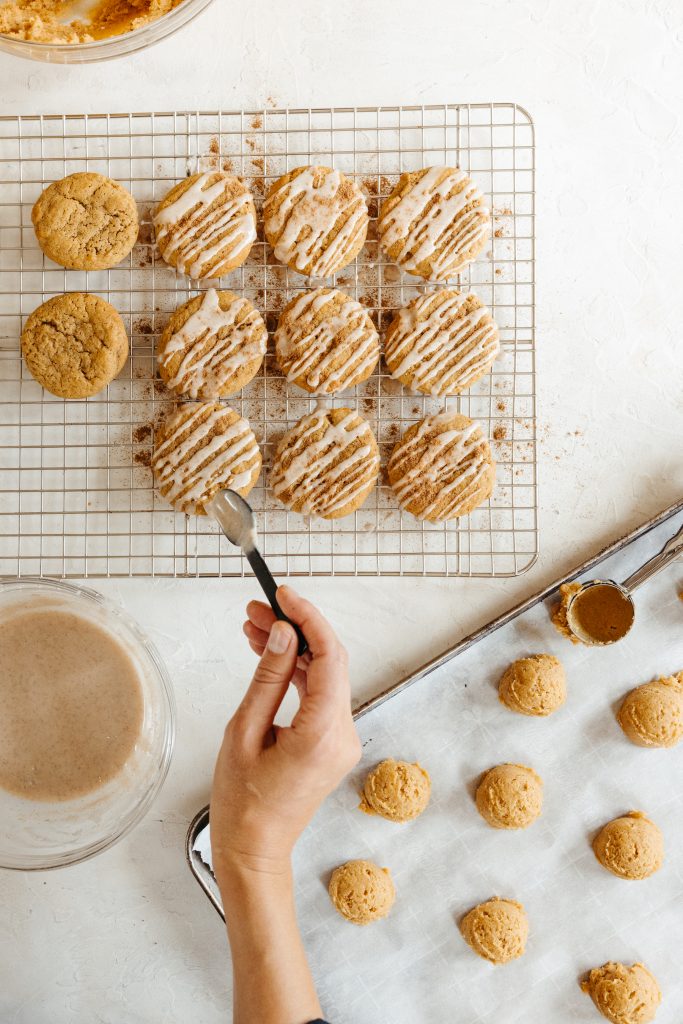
(113, 46)
(36, 834)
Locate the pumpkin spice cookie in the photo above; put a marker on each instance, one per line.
(361, 891)
(74, 344)
(496, 930)
(624, 995)
(652, 714)
(630, 847)
(206, 225)
(510, 796)
(85, 222)
(396, 790)
(533, 686)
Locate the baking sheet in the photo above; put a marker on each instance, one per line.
(414, 967)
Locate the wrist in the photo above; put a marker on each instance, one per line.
(240, 872)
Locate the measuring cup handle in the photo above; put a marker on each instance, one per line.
(672, 550)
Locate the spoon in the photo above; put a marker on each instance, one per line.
(236, 519)
(620, 595)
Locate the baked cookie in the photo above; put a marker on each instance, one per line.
(533, 686)
(361, 891)
(315, 219)
(206, 225)
(396, 790)
(510, 796)
(202, 448)
(442, 467)
(496, 930)
(652, 714)
(212, 346)
(441, 342)
(327, 464)
(85, 221)
(326, 342)
(74, 344)
(624, 995)
(631, 846)
(434, 222)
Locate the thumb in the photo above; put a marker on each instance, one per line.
(272, 677)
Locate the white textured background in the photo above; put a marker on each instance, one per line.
(129, 937)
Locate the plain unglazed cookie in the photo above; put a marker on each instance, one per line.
(212, 346)
(624, 995)
(85, 221)
(326, 342)
(631, 846)
(510, 796)
(442, 467)
(327, 464)
(496, 930)
(206, 225)
(202, 448)
(361, 891)
(441, 342)
(434, 222)
(533, 686)
(652, 714)
(74, 344)
(315, 219)
(396, 790)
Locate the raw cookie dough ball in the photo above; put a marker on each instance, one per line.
(630, 847)
(652, 714)
(496, 930)
(510, 796)
(86, 222)
(624, 995)
(396, 790)
(534, 685)
(361, 891)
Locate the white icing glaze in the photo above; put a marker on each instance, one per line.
(209, 361)
(201, 237)
(316, 467)
(442, 357)
(319, 347)
(453, 460)
(225, 460)
(445, 226)
(305, 218)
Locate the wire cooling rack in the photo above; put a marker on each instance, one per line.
(76, 492)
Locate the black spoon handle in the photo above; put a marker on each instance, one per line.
(265, 578)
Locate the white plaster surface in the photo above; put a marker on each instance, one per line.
(128, 937)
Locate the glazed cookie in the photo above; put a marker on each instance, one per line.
(442, 467)
(212, 346)
(326, 342)
(361, 891)
(533, 686)
(85, 222)
(327, 464)
(74, 344)
(652, 714)
(624, 995)
(496, 930)
(510, 796)
(206, 225)
(396, 790)
(441, 342)
(315, 219)
(204, 447)
(434, 222)
(631, 846)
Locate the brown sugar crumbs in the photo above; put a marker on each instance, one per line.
(42, 21)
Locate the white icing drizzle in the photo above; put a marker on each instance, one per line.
(319, 468)
(303, 222)
(453, 460)
(444, 355)
(308, 351)
(442, 234)
(225, 460)
(192, 233)
(209, 361)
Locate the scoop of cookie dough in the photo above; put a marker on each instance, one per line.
(652, 714)
(496, 930)
(510, 796)
(396, 790)
(534, 685)
(361, 891)
(624, 995)
(630, 847)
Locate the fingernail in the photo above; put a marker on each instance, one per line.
(279, 638)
